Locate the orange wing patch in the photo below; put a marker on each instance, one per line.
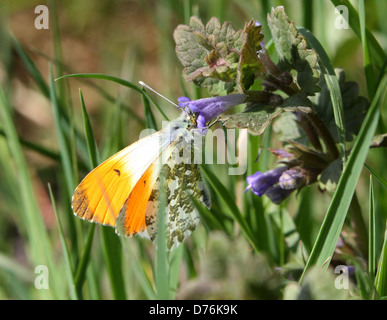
(132, 215)
(99, 197)
(102, 193)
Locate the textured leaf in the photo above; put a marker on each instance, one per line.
(293, 52)
(286, 127)
(257, 122)
(250, 66)
(355, 107)
(329, 178)
(209, 53)
(257, 117)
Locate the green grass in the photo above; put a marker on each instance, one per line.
(93, 114)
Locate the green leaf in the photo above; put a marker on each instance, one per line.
(355, 107)
(287, 128)
(293, 52)
(66, 253)
(209, 54)
(257, 118)
(330, 176)
(250, 66)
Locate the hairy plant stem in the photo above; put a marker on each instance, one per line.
(324, 133)
(310, 131)
(276, 83)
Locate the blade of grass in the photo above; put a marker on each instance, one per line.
(307, 14)
(80, 273)
(304, 221)
(90, 140)
(174, 269)
(139, 270)
(62, 141)
(37, 148)
(334, 219)
(66, 254)
(39, 242)
(117, 80)
(378, 177)
(371, 233)
(367, 62)
(381, 274)
(162, 263)
(112, 249)
(70, 176)
(31, 68)
(333, 86)
(149, 117)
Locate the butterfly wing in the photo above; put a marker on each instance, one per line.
(102, 193)
(183, 180)
(132, 216)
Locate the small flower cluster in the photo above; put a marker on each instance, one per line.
(209, 108)
(277, 184)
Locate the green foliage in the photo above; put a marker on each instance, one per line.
(257, 122)
(292, 51)
(250, 66)
(209, 53)
(354, 106)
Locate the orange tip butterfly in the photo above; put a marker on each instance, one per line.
(124, 191)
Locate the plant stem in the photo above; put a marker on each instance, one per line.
(324, 133)
(358, 226)
(310, 131)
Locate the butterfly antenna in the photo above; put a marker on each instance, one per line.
(159, 94)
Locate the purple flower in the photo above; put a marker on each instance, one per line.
(277, 184)
(276, 194)
(259, 182)
(210, 108)
(292, 179)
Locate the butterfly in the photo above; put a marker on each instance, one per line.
(125, 190)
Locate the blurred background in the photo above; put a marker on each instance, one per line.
(133, 40)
